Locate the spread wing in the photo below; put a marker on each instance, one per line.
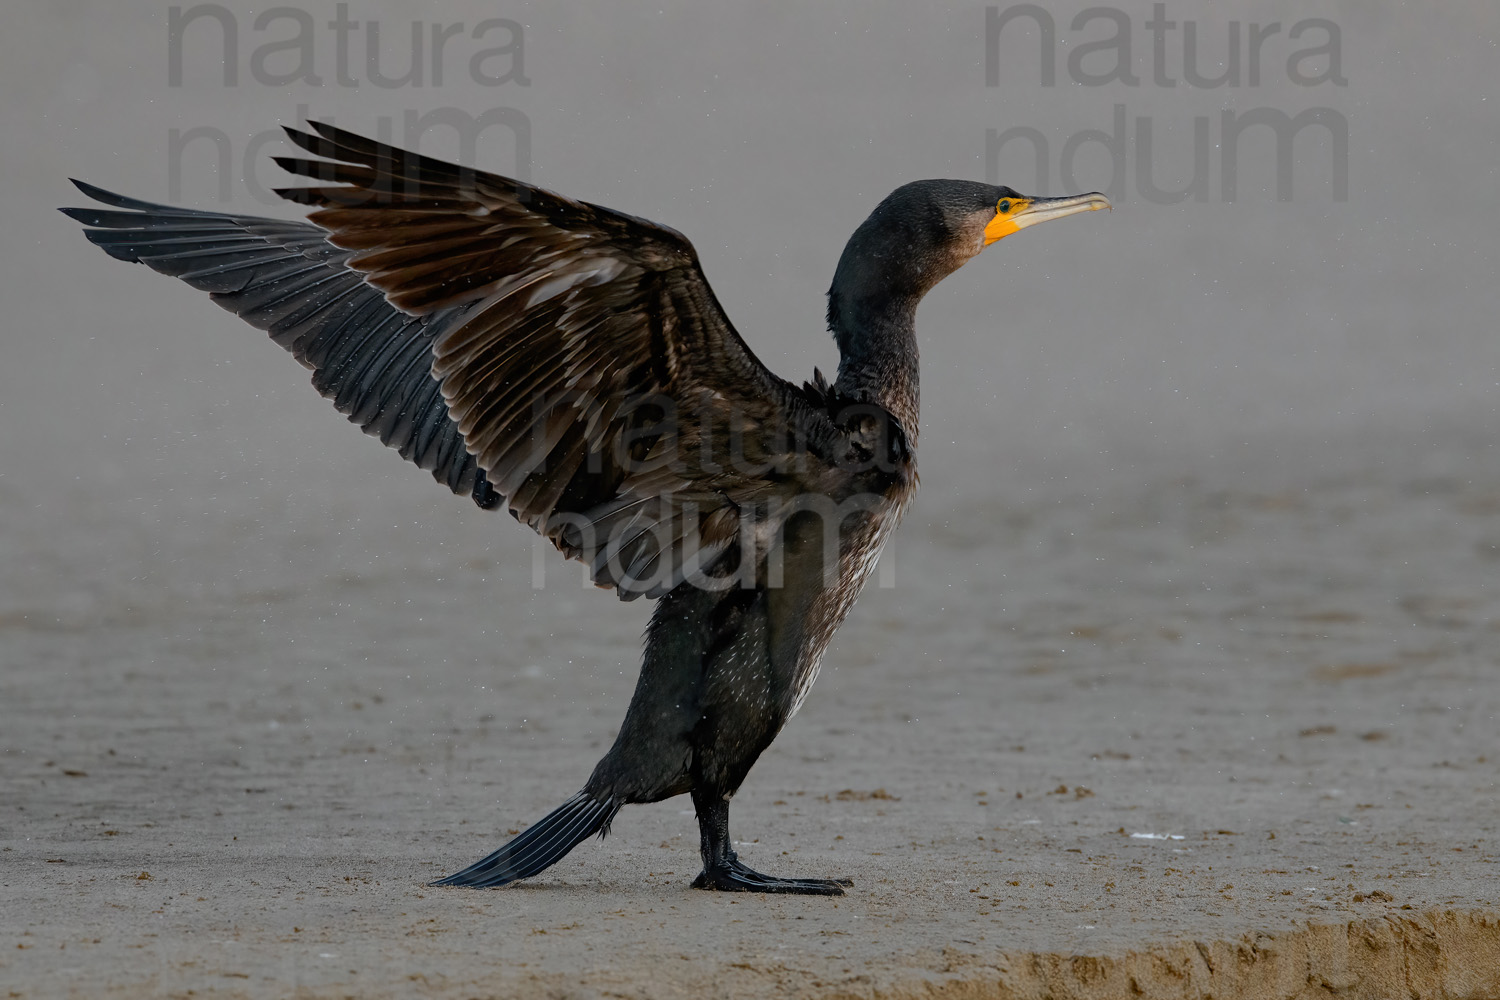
(567, 358)
(370, 359)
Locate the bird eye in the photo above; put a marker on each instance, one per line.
(1005, 206)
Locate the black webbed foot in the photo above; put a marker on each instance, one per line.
(732, 876)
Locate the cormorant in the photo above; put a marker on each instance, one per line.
(571, 362)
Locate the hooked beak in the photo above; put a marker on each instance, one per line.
(1013, 214)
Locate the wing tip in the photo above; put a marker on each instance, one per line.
(330, 132)
(99, 194)
(129, 204)
(301, 139)
(321, 170)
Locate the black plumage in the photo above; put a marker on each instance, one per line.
(572, 363)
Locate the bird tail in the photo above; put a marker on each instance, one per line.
(542, 845)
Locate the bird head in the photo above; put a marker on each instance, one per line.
(924, 231)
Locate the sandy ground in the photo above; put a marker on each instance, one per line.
(1130, 735)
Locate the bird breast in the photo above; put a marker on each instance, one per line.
(859, 553)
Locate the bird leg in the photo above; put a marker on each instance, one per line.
(722, 870)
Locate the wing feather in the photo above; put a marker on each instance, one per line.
(566, 359)
(373, 361)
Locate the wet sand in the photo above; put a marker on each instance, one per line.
(1230, 731)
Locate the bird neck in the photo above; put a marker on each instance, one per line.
(877, 338)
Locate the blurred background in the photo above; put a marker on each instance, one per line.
(1363, 297)
(1331, 315)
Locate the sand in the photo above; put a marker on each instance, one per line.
(1168, 734)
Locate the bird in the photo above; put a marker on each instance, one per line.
(570, 363)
